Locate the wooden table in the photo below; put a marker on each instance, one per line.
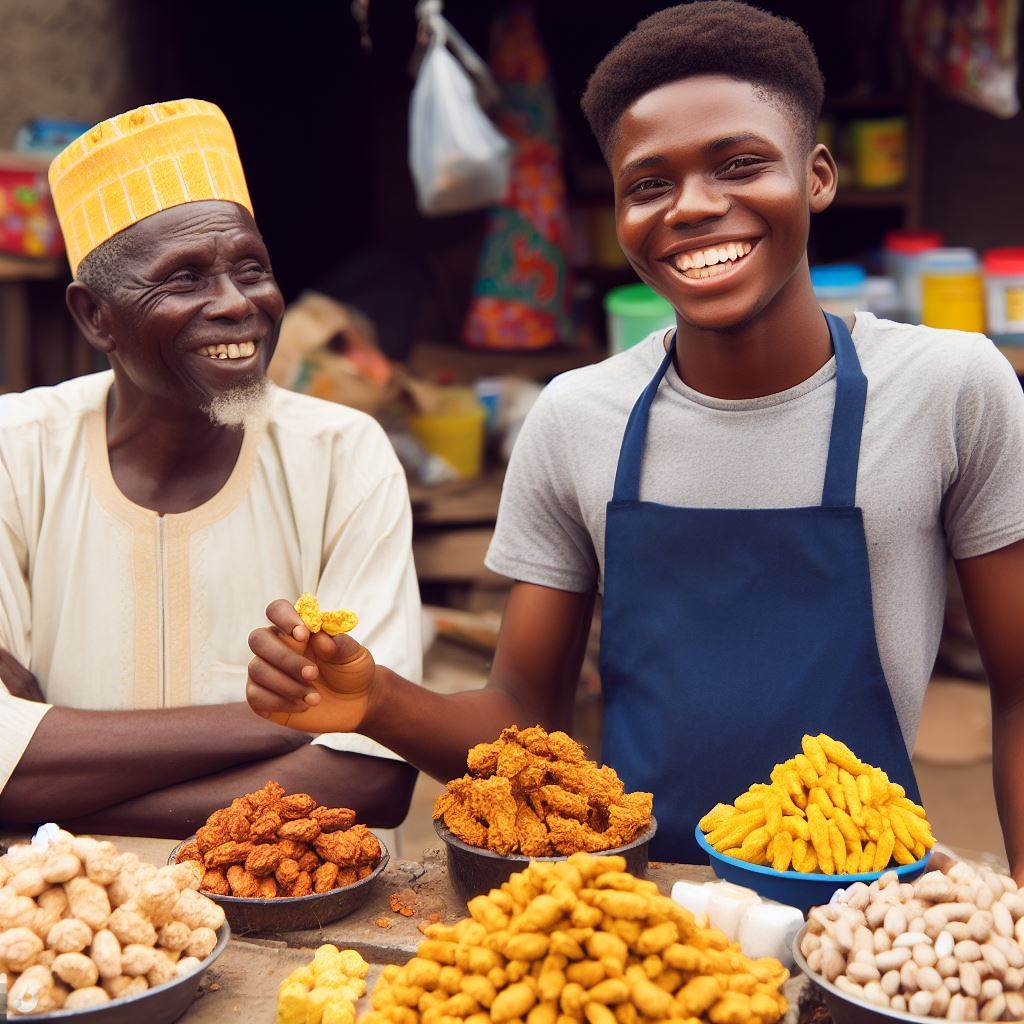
(242, 985)
(15, 336)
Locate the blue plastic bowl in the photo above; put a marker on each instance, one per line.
(799, 890)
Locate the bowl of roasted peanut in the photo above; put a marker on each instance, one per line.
(280, 862)
(91, 934)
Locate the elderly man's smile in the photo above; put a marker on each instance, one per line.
(235, 352)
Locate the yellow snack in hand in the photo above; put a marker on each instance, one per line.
(836, 813)
(315, 619)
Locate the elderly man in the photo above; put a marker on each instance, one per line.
(148, 513)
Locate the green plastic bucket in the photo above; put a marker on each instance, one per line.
(634, 311)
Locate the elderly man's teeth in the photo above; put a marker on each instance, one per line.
(702, 263)
(241, 350)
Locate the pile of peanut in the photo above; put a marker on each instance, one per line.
(578, 940)
(948, 945)
(82, 925)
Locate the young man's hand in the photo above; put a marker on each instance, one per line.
(316, 683)
(18, 680)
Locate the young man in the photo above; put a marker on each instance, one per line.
(147, 514)
(766, 498)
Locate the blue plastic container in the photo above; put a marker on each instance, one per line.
(799, 890)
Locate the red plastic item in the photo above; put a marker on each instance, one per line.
(1007, 262)
(911, 241)
(28, 224)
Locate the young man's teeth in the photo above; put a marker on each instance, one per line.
(242, 350)
(703, 263)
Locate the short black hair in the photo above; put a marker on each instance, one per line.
(707, 37)
(102, 269)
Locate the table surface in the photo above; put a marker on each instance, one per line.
(242, 985)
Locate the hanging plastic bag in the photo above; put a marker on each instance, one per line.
(459, 160)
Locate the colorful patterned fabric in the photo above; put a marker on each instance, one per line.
(521, 296)
(139, 163)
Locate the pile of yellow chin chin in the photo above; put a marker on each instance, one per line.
(315, 618)
(824, 811)
(325, 990)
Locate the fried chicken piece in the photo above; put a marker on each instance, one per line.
(292, 849)
(463, 825)
(346, 876)
(558, 800)
(298, 805)
(267, 798)
(536, 740)
(512, 760)
(303, 830)
(325, 878)
(227, 853)
(267, 888)
(210, 836)
(303, 884)
(287, 872)
(483, 758)
(570, 836)
(263, 860)
(242, 883)
(215, 881)
(600, 785)
(264, 827)
(234, 823)
(189, 851)
(532, 777)
(333, 819)
(341, 848)
(531, 833)
(564, 748)
(369, 847)
(309, 862)
(242, 806)
(364, 871)
(629, 817)
(491, 800)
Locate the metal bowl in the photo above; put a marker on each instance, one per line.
(160, 1005)
(796, 888)
(294, 913)
(847, 1009)
(474, 871)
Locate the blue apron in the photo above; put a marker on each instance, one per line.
(729, 633)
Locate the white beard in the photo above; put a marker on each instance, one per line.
(248, 405)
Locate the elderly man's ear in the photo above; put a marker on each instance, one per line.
(90, 315)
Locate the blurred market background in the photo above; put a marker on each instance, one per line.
(443, 306)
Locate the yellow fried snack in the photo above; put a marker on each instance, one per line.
(578, 941)
(325, 990)
(838, 813)
(315, 619)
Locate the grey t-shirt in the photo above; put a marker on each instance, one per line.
(941, 471)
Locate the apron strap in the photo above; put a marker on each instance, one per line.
(840, 490)
(631, 454)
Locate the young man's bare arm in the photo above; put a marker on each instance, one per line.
(378, 789)
(533, 680)
(993, 587)
(80, 762)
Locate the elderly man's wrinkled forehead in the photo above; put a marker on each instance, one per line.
(190, 233)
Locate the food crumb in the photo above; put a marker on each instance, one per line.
(404, 902)
(434, 918)
(382, 922)
(215, 986)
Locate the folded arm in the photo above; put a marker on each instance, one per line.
(379, 790)
(80, 762)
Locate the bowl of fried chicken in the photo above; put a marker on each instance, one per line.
(279, 862)
(534, 795)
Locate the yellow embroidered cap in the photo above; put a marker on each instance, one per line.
(139, 163)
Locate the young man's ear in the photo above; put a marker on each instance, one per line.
(87, 310)
(822, 179)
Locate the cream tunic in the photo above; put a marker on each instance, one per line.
(114, 607)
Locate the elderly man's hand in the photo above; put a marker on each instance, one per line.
(316, 683)
(18, 680)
